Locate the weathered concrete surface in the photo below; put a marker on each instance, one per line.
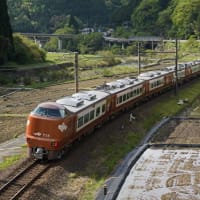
(12, 147)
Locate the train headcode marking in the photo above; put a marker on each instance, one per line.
(38, 134)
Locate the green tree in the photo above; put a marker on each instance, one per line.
(164, 22)
(144, 17)
(27, 51)
(186, 17)
(90, 43)
(49, 15)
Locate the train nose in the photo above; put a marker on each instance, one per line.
(39, 153)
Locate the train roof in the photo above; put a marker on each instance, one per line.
(51, 105)
(152, 74)
(119, 85)
(182, 66)
(81, 100)
(169, 69)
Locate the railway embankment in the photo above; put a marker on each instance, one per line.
(115, 182)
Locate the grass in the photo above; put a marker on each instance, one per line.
(115, 149)
(9, 161)
(13, 115)
(57, 58)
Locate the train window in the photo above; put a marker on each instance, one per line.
(63, 113)
(117, 100)
(131, 94)
(91, 114)
(124, 97)
(120, 99)
(80, 121)
(97, 111)
(53, 113)
(103, 108)
(48, 112)
(86, 118)
(128, 95)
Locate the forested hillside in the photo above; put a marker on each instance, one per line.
(6, 39)
(143, 17)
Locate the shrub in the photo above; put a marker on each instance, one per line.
(27, 51)
(3, 80)
(27, 80)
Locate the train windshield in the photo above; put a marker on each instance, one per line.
(49, 112)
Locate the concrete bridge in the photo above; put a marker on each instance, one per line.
(38, 37)
(123, 41)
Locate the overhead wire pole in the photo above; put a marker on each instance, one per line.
(76, 72)
(139, 59)
(176, 63)
(176, 68)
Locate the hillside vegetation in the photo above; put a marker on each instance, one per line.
(118, 18)
(168, 18)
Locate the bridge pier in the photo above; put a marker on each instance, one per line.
(122, 45)
(59, 44)
(37, 42)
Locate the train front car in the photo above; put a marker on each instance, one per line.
(46, 131)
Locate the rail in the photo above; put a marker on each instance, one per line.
(17, 185)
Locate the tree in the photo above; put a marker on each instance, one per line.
(6, 39)
(185, 18)
(164, 22)
(91, 42)
(144, 17)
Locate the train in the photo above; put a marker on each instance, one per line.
(53, 126)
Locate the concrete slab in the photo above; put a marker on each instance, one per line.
(12, 147)
(164, 174)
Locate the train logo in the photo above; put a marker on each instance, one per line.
(62, 127)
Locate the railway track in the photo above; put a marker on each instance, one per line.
(16, 186)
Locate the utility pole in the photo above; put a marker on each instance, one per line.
(139, 59)
(176, 68)
(76, 71)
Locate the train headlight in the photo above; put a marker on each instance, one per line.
(54, 144)
(28, 122)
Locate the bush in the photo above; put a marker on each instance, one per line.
(107, 73)
(132, 50)
(4, 80)
(90, 43)
(27, 51)
(51, 45)
(27, 80)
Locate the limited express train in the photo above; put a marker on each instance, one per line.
(53, 126)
